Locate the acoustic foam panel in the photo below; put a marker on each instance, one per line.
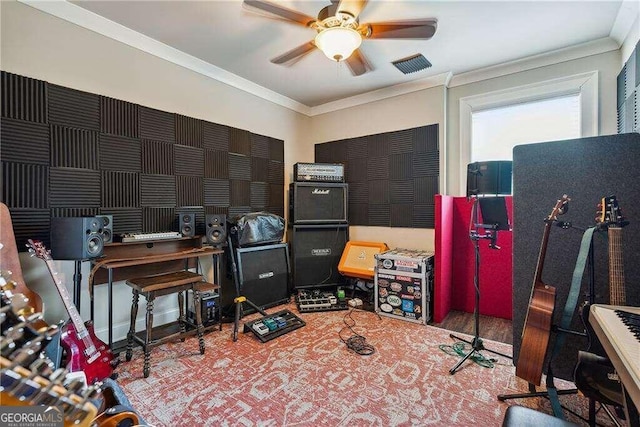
(120, 153)
(118, 117)
(188, 131)
(239, 142)
(276, 172)
(216, 192)
(215, 137)
(157, 125)
(189, 190)
(125, 220)
(259, 195)
(378, 145)
(276, 196)
(276, 150)
(157, 158)
(259, 169)
(70, 187)
(377, 168)
(586, 170)
(24, 142)
(259, 146)
(73, 108)
(240, 192)
(157, 190)
(188, 160)
(217, 164)
(25, 185)
(239, 167)
(356, 170)
(23, 98)
(157, 219)
(31, 224)
(378, 192)
(64, 212)
(120, 189)
(357, 148)
(401, 142)
(74, 148)
(379, 215)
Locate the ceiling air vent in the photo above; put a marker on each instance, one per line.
(412, 64)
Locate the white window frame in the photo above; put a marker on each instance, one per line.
(584, 84)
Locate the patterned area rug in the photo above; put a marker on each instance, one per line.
(309, 377)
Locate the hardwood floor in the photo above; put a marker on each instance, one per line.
(491, 328)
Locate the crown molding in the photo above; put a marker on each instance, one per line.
(98, 24)
(628, 15)
(383, 93)
(594, 47)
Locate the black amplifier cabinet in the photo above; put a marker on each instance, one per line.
(318, 172)
(318, 203)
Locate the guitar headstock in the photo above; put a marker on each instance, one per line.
(37, 249)
(610, 214)
(561, 207)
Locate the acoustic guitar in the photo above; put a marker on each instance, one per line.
(84, 349)
(537, 325)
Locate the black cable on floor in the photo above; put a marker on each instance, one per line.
(356, 342)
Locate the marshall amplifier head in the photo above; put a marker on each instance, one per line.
(318, 203)
(318, 172)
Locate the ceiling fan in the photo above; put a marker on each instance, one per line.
(339, 34)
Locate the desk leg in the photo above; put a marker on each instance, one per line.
(147, 340)
(110, 308)
(198, 309)
(132, 324)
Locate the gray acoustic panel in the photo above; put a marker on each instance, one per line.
(276, 150)
(425, 164)
(216, 164)
(125, 220)
(73, 212)
(216, 192)
(188, 160)
(118, 117)
(157, 125)
(359, 192)
(424, 189)
(120, 189)
(157, 219)
(189, 131)
(74, 148)
(377, 168)
(25, 185)
(276, 195)
(189, 191)
(425, 139)
(400, 215)
(23, 98)
(30, 224)
(358, 213)
(240, 193)
(74, 188)
(323, 153)
(239, 142)
(401, 141)
(120, 153)
(379, 215)
(215, 137)
(25, 142)
(157, 157)
(276, 172)
(157, 190)
(239, 167)
(259, 169)
(216, 210)
(424, 215)
(378, 145)
(259, 195)
(259, 146)
(400, 166)
(238, 211)
(357, 148)
(356, 170)
(378, 192)
(587, 170)
(69, 107)
(401, 191)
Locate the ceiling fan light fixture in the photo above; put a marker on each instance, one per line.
(338, 43)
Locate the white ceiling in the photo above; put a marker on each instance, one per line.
(471, 35)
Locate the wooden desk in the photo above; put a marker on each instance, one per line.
(133, 259)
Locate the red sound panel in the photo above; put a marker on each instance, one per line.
(442, 292)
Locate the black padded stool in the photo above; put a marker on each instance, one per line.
(520, 416)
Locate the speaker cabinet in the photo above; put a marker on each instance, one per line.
(263, 274)
(315, 252)
(186, 224)
(76, 238)
(107, 227)
(318, 203)
(491, 177)
(216, 229)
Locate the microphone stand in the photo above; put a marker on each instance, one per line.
(476, 343)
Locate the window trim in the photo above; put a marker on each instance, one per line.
(584, 84)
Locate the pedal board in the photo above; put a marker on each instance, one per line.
(315, 300)
(274, 325)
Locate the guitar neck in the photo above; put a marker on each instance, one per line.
(66, 299)
(616, 273)
(537, 278)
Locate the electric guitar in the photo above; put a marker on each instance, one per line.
(594, 374)
(84, 349)
(537, 325)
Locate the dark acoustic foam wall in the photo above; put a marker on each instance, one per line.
(71, 153)
(586, 170)
(393, 176)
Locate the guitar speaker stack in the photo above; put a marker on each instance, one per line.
(318, 223)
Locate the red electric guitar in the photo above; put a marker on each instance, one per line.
(85, 351)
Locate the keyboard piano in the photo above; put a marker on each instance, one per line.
(621, 342)
(139, 237)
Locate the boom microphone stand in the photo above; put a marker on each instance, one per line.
(492, 234)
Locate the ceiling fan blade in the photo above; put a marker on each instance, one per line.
(351, 7)
(295, 53)
(281, 11)
(357, 63)
(421, 29)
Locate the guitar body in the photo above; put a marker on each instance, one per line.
(536, 333)
(96, 363)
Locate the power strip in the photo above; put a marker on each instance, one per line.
(355, 302)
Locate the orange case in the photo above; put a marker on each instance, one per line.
(358, 259)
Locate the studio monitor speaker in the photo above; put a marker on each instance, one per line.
(216, 229)
(318, 203)
(76, 238)
(316, 252)
(489, 178)
(186, 224)
(107, 227)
